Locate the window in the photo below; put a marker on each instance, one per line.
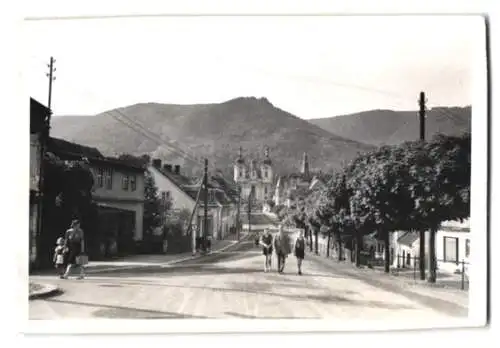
(265, 173)
(133, 182)
(108, 178)
(450, 249)
(241, 173)
(125, 181)
(265, 190)
(467, 247)
(100, 177)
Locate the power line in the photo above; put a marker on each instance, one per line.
(139, 128)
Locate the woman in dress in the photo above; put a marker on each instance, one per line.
(300, 246)
(74, 244)
(267, 249)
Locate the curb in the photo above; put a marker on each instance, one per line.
(46, 291)
(166, 264)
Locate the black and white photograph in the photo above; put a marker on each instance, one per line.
(312, 171)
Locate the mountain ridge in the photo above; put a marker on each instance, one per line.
(214, 130)
(217, 130)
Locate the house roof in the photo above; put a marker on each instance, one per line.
(408, 238)
(229, 188)
(68, 150)
(64, 147)
(224, 192)
(178, 179)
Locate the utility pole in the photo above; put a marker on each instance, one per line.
(205, 210)
(421, 114)
(44, 137)
(238, 220)
(51, 77)
(249, 212)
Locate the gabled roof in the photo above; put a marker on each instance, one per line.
(62, 147)
(408, 238)
(67, 150)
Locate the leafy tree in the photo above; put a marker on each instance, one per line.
(152, 205)
(382, 198)
(443, 193)
(67, 195)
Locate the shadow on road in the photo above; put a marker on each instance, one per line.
(256, 288)
(246, 316)
(108, 311)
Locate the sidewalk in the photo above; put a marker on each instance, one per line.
(139, 261)
(452, 301)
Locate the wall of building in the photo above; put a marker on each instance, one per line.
(118, 190)
(461, 238)
(120, 196)
(180, 199)
(35, 158)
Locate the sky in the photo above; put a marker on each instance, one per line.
(313, 67)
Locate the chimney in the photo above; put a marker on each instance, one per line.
(167, 167)
(177, 169)
(157, 163)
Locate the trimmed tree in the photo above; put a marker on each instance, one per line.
(443, 194)
(381, 196)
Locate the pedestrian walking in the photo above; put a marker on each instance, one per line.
(267, 249)
(282, 247)
(299, 251)
(75, 245)
(60, 256)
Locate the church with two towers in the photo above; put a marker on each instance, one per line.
(258, 180)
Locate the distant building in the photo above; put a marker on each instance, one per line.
(39, 129)
(182, 192)
(255, 179)
(288, 185)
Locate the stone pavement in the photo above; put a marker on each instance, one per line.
(233, 285)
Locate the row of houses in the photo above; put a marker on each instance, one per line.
(118, 192)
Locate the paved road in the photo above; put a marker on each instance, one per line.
(230, 285)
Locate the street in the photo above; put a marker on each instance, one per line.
(230, 284)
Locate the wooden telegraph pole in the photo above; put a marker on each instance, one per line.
(421, 114)
(205, 206)
(238, 220)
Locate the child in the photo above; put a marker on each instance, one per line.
(59, 252)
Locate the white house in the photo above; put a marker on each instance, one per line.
(182, 192)
(406, 247)
(453, 245)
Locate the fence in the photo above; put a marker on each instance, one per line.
(410, 266)
(457, 277)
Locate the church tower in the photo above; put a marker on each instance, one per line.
(239, 167)
(305, 166)
(267, 167)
